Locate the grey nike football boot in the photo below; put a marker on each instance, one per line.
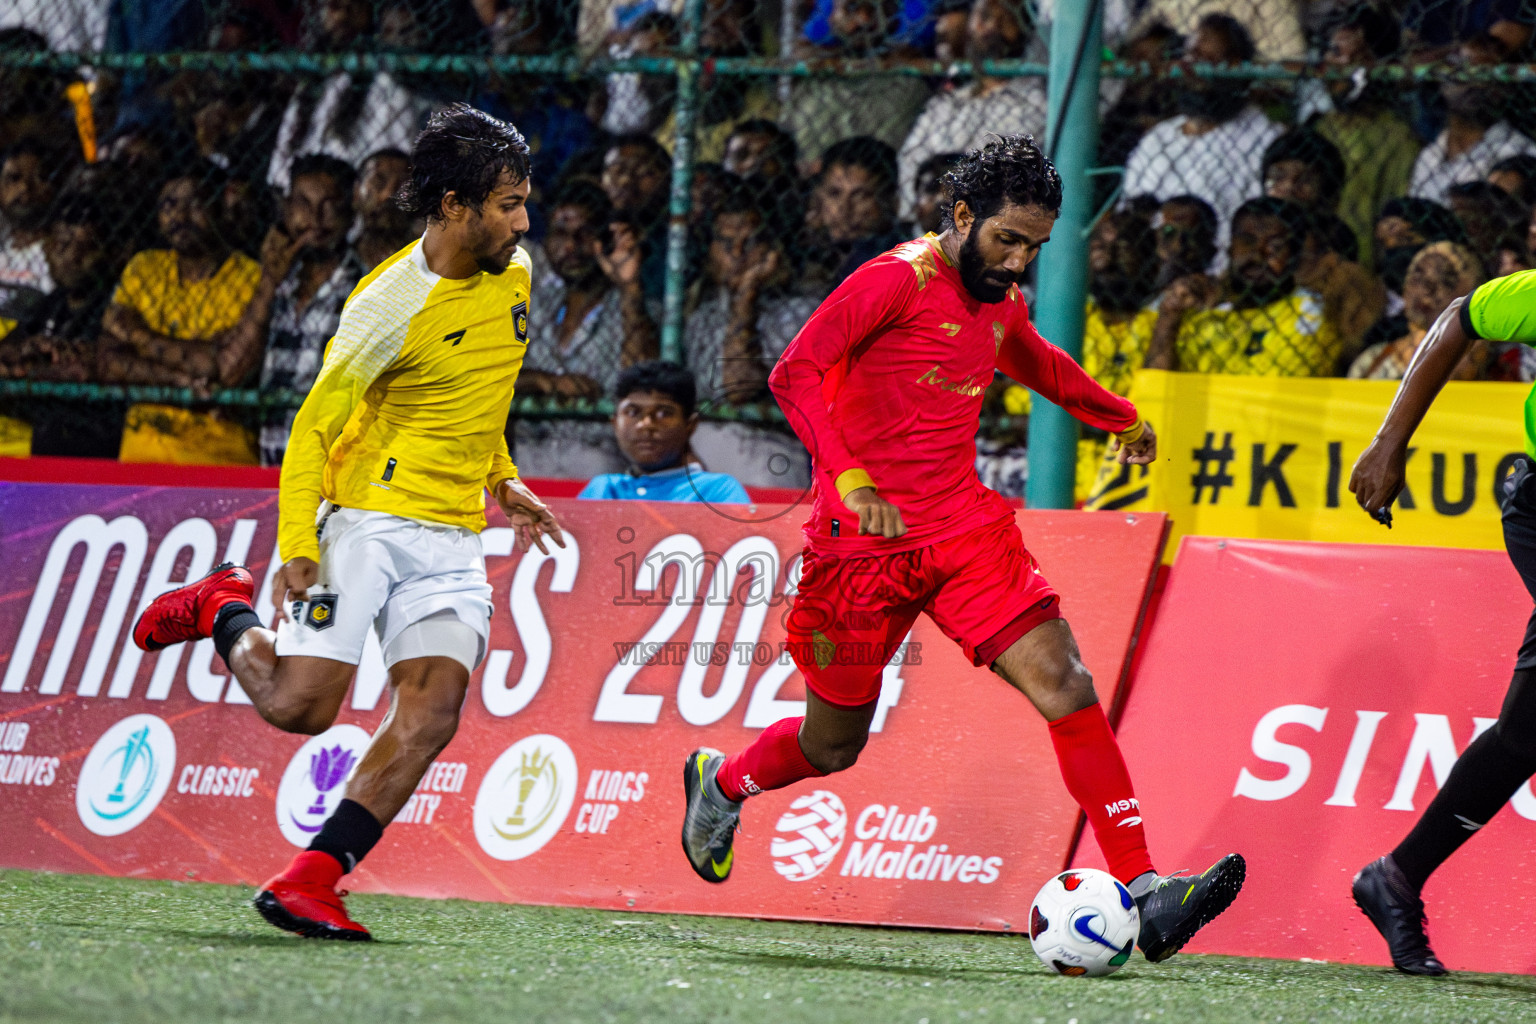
(709, 823)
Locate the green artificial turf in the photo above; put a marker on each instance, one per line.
(103, 950)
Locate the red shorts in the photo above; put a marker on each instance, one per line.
(983, 589)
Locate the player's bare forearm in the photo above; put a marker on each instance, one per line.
(1379, 473)
(1432, 366)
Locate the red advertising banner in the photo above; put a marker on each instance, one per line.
(658, 629)
(1300, 703)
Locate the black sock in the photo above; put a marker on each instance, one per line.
(348, 834)
(1483, 780)
(230, 625)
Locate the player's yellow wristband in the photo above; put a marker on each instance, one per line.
(1133, 433)
(850, 480)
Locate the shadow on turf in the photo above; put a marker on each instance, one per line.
(1526, 987)
(797, 961)
(276, 938)
(807, 961)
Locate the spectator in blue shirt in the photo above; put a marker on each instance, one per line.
(653, 420)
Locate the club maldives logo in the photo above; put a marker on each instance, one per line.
(125, 775)
(809, 835)
(525, 797)
(315, 779)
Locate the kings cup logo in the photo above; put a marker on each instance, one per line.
(525, 797)
(809, 835)
(125, 775)
(315, 780)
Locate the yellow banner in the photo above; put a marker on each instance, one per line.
(1270, 457)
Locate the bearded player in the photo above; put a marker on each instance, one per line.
(381, 502)
(884, 385)
(1389, 890)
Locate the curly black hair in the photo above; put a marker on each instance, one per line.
(1008, 169)
(664, 378)
(464, 151)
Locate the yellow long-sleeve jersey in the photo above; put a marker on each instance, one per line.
(408, 415)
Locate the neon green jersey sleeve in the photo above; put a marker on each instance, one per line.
(1504, 309)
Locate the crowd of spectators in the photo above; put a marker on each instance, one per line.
(202, 229)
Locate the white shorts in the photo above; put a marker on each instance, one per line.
(389, 573)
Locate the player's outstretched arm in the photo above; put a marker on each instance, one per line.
(1379, 472)
(1037, 364)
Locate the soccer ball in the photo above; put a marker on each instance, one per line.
(1084, 922)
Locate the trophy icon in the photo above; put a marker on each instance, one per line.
(327, 770)
(528, 775)
(132, 751)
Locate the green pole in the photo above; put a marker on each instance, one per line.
(1072, 136)
(682, 184)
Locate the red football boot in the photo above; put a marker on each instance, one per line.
(187, 613)
(304, 899)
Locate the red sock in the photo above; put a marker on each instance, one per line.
(1095, 775)
(773, 761)
(313, 866)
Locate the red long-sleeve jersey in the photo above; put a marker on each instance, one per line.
(884, 386)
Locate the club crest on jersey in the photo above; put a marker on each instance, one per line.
(997, 337)
(520, 321)
(322, 612)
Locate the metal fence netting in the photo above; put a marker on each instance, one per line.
(189, 194)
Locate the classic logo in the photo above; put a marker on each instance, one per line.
(125, 775)
(809, 835)
(525, 797)
(520, 321)
(322, 609)
(315, 779)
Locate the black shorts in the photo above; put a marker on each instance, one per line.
(1519, 515)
